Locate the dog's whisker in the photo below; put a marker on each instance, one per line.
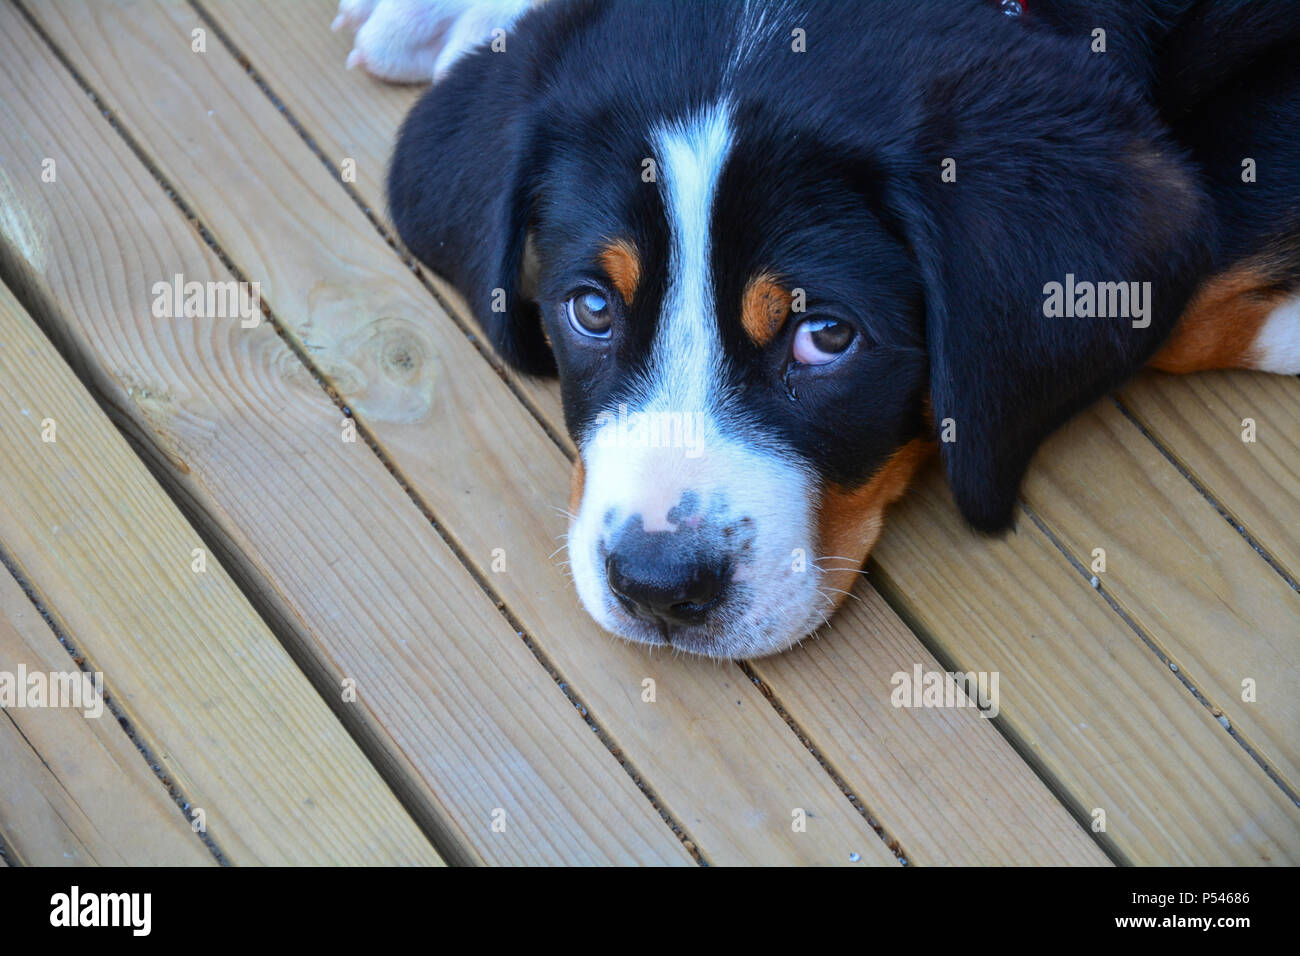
(841, 570)
(845, 593)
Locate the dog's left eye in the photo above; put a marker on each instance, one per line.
(590, 314)
(821, 341)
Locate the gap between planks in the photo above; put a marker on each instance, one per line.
(1235, 523)
(1192, 686)
(302, 769)
(120, 720)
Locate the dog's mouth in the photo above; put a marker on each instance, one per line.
(722, 573)
(736, 633)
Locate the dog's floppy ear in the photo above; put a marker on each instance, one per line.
(461, 187)
(1056, 169)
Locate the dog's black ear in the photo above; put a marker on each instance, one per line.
(1037, 170)
(461, 187)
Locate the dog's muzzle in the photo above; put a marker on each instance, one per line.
(711, 553)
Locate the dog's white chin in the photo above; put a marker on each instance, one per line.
(730, 643)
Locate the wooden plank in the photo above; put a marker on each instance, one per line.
(956, 793)
(448, 697)
(731, 773)
(217, 701)
(75, 790)
(353, 118)
(300, 66)
(938, 836)
(1108, 725)
(1199, 420)
(1197, 588)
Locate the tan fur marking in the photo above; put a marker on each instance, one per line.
(763, 308)
(1220, 324)
(849, 521)
(577, 483)
(621, 263)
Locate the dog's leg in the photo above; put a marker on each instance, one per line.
(1245, 317)
(414, 41)
(1277, 347)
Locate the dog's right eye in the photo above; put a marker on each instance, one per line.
(821, 341)
(590, 314)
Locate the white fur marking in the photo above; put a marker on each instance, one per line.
(688, 346)
(1277, 346)
(758, 20)
(413, 41)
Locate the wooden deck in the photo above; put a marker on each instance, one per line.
(354, 677)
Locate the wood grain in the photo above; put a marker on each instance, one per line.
(75, 790)
(352, 116)
(1199, 419)
(1197, 588)
(216, 700)
(447, 697)
(1080, 696)
(956, 791)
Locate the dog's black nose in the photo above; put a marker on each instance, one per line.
(667, 592)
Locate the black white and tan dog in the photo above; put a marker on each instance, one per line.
(812, 242)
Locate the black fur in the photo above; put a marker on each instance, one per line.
(1111, 167)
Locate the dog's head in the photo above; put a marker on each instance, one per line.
(772, 281)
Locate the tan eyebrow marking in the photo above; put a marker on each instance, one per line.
(622, 264)
(764, 307)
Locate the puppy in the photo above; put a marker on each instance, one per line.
(785, 250)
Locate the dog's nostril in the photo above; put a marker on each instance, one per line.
(666, 592)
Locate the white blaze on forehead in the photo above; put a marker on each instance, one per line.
(687, 352)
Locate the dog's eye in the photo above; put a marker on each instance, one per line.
(821, 341)
(590, 314)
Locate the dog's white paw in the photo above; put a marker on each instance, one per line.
(413, 41)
